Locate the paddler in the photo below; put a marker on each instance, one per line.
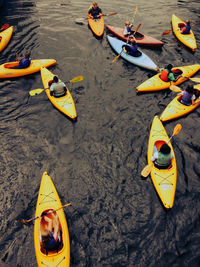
(128, 29)
(95, 12)
(49, 231)
(188, 96)
(166, 74)
(57, 89)
(24, 62)
(162, 157)
(132, 49)
(185, 28)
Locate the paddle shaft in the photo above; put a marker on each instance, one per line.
(47, 213)
(39, 91)
(136, 9)
(177, 129)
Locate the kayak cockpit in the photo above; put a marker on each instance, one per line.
(11, 65)
(139, 36)
(46, 240)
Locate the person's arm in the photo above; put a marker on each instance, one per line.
(90, 14)
(51, 88)
(40, 235)
(155, 156)
(56, 233)
(183, 29)
(100, 12)
(193, 99)
(17, 57)
(171, 77)
(125, 32)
(50, 223)
(124, 48)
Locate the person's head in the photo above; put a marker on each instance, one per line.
(165, 149)
(27, 55)
(95, 5)
(189, 88)
(169, 67)
(188, 22)
(55, 79)
(127, 23)
(132, 40)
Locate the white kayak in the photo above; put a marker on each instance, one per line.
(142, 61)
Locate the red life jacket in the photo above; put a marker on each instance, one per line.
(164, 75)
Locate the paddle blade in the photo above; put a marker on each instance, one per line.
(166, 32)
(177, 129)
(137, 28)
(147, 169)
(196, 80)
(76, 79)
(136, 9)
(35, 92)
(112, 14)
(175, 88)
(116, 58)
(5, 26)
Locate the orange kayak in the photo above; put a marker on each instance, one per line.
(96, 25)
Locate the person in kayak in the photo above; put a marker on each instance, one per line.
(132, 49)
(24, 62)
(167, 75)
(50, 235)
(128, 29)
(185, 28)
(57, 89)
(188, 96)
(162, 157)
(95, 12)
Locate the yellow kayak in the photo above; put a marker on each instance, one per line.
(5, 37)
(48, 200)
(187, 39)
(156, 84)
(176, 109)
(164, 180)
(6, 70)
(65, 103)
(96, 25)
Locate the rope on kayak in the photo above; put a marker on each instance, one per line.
(60, 261)
(158, 133)
(55, 265)
(48, 197)
(165, 179)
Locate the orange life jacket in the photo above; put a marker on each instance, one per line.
(164, 75)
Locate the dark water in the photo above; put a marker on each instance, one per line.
(116, 218)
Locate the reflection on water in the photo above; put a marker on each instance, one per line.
(116, 218)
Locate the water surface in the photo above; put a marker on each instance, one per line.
(116, 217)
